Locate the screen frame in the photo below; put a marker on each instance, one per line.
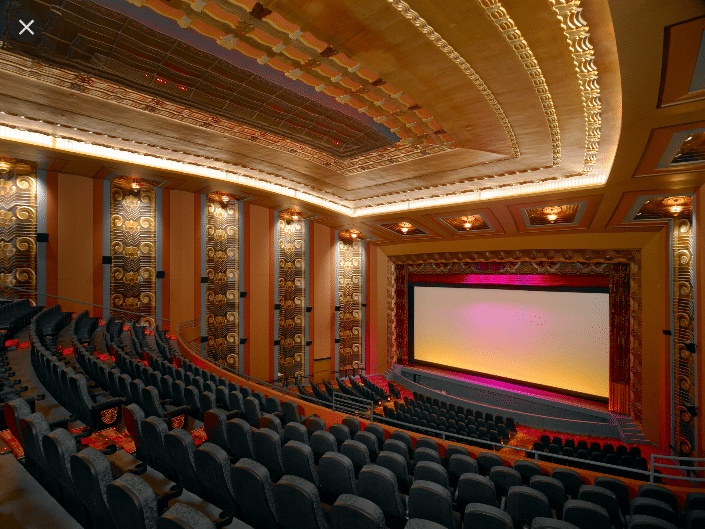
(505, 286)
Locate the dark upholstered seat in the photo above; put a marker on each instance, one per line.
(253, 490)
(353, 512)
(298, 504)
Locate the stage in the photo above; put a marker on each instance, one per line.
(528, 406)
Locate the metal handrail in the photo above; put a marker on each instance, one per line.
(371, 415)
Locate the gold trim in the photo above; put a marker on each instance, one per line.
(576, 29)
(506, 26)
(454, 56)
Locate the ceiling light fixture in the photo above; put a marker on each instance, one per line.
(552, 212)
(255, 180)
(675, 204)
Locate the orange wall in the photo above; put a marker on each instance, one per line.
(377, 310)
(655, 356)
(74, 247)
(322, 247)
(181, 235)
(260, 239)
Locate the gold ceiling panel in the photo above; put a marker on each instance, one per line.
(403, 229)
(660, 208)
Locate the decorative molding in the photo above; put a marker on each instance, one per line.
(577, 31)
(109, 91)
(454, 56)
(18, 229)
(291, 297)
(350, 291)
(506, 26)
(222, 289)
(516, 262)
(133, 249)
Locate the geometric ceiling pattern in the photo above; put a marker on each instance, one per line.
(365, 107)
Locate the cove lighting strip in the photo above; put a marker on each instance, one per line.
(49, 141)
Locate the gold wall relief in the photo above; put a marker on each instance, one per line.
(291, 294)
(18, 229)
(350, 284)
(223, 290)
(133, 249)
(685, 377)
(577, 32)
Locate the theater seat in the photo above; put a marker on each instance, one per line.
(297, 460)
(353, 512)
(337, 476)
(268, 451)
(294, 431)
(340, 432)
(379, 485)
(298, 504)
(91, 475)
(181, 447)
(586, 515)
(357, 453)
(253, 491)
(240, 439)
(214, 473)
(524, 504)
(430, 501)
(483, 516)
(321, 443)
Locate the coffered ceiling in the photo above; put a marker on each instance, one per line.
(375, 112)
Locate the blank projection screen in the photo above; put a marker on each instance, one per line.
(552, 338)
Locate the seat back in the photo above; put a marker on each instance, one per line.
(239, 435)
(570, 478)
(322, 442)
(252, 411)
(215, 423)
(291, 412)
(153, 431)
(426, 454)
(504, 478)
(353, 424)
(213, 469)
(370, 441)
(132, 503)
(657, 492)
(553, 489)
(271, 422)
(527, 469)
(480, 515)
(586, 515)
(357, 453)
(181, 447)
(426, 442)
(352, 511)
(297, 460)
(295, 431)
(91, 475)
(340, 432)
(433, 502)
(486, 461)
(337, 475)
(182, 516)
(253, 491)
(268, 451)
(298, 504)
(433, 472)
(398, 447)
(399, 467)
(379, 485)
(524, 504)
(399, 435)
(378, 432)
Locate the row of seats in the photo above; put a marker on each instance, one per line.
(14, 316)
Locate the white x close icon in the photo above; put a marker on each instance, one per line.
(26, 27)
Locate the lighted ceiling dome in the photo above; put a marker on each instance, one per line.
(363, 107)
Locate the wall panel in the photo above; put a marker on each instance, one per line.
(323, 314)
(75, 261)
(181, 262)
(260, 296)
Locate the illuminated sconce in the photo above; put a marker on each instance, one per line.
(675, 204)
(353, 235)
(136, 185)
(552, 212)
(295, 215)
(225, 199)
